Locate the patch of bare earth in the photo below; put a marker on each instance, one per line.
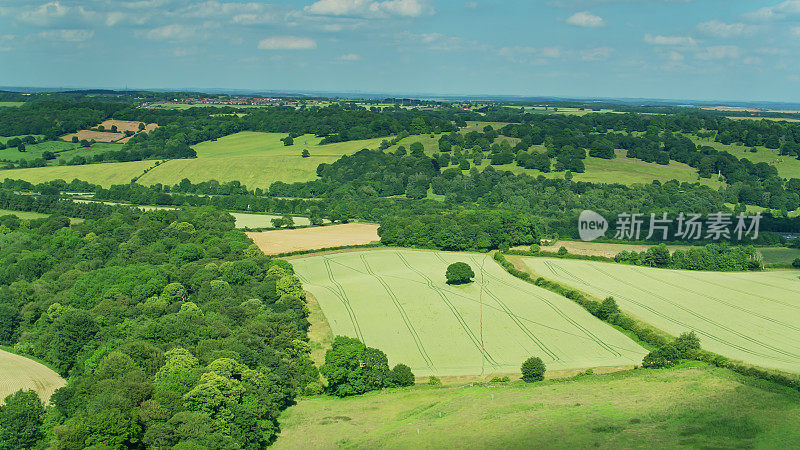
(285, 241)
(18, 372)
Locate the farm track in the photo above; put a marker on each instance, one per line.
(558, 311)
(673, 320)
(342, 295)
(403, 315)
(453, 309)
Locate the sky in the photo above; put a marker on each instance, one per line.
(672, 49)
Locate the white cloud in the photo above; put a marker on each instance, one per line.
(173, 32)
(5, 42)
(67, 35)
(775, 12)
(44, 14)
(370, 8)
(532, 55)
(718, 52)
(795, 31)
(596, 54)
(684, 41)
(585, 19)
(725, 30)
(287, 43)
(471, 5)
(349, 57)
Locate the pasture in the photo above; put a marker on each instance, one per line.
(99, 136)
(692, 406)
(284, 241)
(255, 159)
(248, 220)
(17, 372)
(779, 255)
(11, 104)
(62, 150)
(397, 300)
(104, 174)
(788, 166)
(748, 316)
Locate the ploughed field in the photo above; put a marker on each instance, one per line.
(752, 317)
(275, 242)
(18, 372)
(398, 301)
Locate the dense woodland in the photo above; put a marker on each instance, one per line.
(170, 327)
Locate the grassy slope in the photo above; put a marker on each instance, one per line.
(779, 254)
(788, 167)
(408, 311)
(62, 150)
(750, 316)
(104, 174)
(255, 159)
(693, 405)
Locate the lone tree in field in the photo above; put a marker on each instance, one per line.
(287, 141)
(796, 263)
(533, 370)
(459, 273)
(305, 153)
(401, 375)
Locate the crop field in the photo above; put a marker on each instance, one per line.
(255, 159)
(127, 125)
(285, 241)
(17, 372)
(99, 136)
(692, 406)
(752, 317)
(397, 300)
(104, 174)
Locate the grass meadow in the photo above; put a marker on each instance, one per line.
(104, 174)
(255, 159)
(693, 406)
(788, 166)
(747, 316)
(398, 301)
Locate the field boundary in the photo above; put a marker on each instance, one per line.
(644, 332)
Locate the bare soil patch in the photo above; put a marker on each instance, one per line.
(285, 241)
(608, 250)
(128, 125)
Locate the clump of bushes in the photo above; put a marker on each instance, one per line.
(352, 368)
(684, 346)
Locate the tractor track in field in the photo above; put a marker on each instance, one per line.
(414, 335)
(706, 319)
(494, 308)
(569, 320)
(453, 309)
(719, 300)
(773, 300)
(678, 322)
(668, 318)
(342, 295)
(517, 322)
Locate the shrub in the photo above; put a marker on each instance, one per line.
(686, 344)
(533, 370)
(401, 375)
(796, 263)
(459, 273)
(562, 251)
(535, 248)
(666, 356)
(434, 381)
(607, 308)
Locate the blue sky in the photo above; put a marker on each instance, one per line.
(679, 49)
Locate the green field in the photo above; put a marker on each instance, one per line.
(10, 104)
(104, 174)
(62, 150)
(397, 301)
(692, 406)
(752, 316)
(254, 159)
(788, 166)
(781, 255)
(246, 220)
